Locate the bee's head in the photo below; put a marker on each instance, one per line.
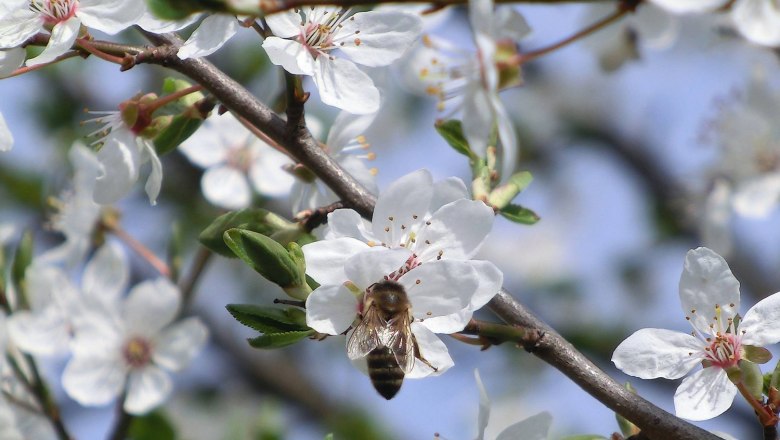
(389, 296)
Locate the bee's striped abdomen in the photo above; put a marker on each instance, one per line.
(384, 372)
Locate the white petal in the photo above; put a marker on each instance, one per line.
(214, 31)
(404, 199)
(456, 231)
(331, 309)
(213, 142)
(651, 352)
(484, 407)
(384, 36)
(761, 324)
(150, 306)
(268, 175)
(689, 6)
(178, 344)
(346, 128)
(506, 134)
(99, 332)
(45, 333)
(658, 29)
(371, 266)
(758, 21)
(758, 197)
(285, 24)
(289, 54)
(510, 23)
(149, 22)
(445, 287)
(449, 324)
(704, 395)
(120, 160)
(535, 427)
(62, 37)
(95, 380)
(45, 284)
(446, 191)
(226, 187)
(325, 259)
(110, 16)
(10, 60)
(433, 350)
(6, 138)
(154, 181)
(342, 84)
(106, 275)
(348, 223)
(478, 117)
(716, 224)
(147, 388)
(481, 16)
(707, 281)
(18, 26)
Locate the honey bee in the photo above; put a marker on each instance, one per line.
(384, 336)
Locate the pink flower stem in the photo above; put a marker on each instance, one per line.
(766, 417)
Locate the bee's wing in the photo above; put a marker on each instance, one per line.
(366, 336)
(398, 338)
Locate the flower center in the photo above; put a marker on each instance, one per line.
(241, 157)
(137, 352)
(410, 264)
(55, 11)
(724, 350)
(318, 33)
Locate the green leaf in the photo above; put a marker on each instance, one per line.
(452, 132)
(775, 381)
(251, 219)
(329, 436)
(267, 257)
(278, 340)
(266, 319)
(180, 128)
(22, 260)
(152, 426)
(752, 377)
(519, 214)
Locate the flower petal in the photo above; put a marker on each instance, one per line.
(761, 324)
(149, 22)
(506, 134)
(484, 407)
(94, 380)
(178, 344)
(154, 181)
(214, 31)
(17, 26)
(325, 259)
(758, 21)
(716, 224)
(707, 281)
(226, 187)
(150, 306)
(433, 350)
(689, 6)
(651, 352)
(106, 275)
(455, 231)
(373, 265)
(535, 427)
(10, 60)
(6, 138)
(147, 388)
(757, 197)
(331, 309)
(286, 24)
(704, 395)
(268, 174)
(478, 117)
(45, 333)
(342, 84)
(348, 223)
(384, 36)
(110, 16)
(289, 54)
(440, 288)
(406, 202)
(446, 191)
(62, 37)
(120, 159)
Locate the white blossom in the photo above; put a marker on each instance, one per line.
(127, 345)
(305, 43)
(77, 213)
(21, 19)
(709, 294)
(536, 427)
(236, 161)
(430, 221)
(449, 71)
(6, 138)
(121, 156)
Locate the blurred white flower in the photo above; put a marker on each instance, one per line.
(347, 145)
(535, 427)
(749, 139)
(430, 221)
(21, 19)
(57, 306)
(709, 294)
(77, 213)
(305, 42)
(448, 71)
(236, 161)
(121, 155)
(127, 345)
(6, 138)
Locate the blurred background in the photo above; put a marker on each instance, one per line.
(623, 162)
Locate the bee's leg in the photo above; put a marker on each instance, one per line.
(418, 355)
